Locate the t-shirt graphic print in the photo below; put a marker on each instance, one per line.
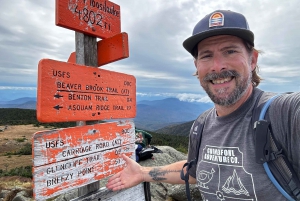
(220, 174)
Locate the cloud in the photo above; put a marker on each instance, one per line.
(203, 98)
(156, 31)
(17, 88)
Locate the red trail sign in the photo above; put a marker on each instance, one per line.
(99, 18)
(72, 92)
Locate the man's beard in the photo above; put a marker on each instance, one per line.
(242, 84)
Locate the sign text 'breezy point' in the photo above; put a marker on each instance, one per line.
(69, 158)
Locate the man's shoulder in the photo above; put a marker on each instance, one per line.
(199, 122)
(201, 118)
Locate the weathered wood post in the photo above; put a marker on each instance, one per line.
(86, 54)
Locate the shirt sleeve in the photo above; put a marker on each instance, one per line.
(284, 115)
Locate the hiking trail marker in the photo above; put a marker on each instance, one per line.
(72, 92)
(69, 158)
(80, 156)
(99, 18)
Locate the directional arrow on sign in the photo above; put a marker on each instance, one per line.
(58, 96)
(89, 93)
(57, 107)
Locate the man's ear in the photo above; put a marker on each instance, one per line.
(254, 59)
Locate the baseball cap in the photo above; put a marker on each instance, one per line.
(219, 22)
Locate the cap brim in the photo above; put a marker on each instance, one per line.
(190, 43)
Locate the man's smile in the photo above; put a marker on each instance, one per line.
(221, 81)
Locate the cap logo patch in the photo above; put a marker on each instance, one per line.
(216, 20)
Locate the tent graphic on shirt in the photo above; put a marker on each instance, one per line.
(234, 185)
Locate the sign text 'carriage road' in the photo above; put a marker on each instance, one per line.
(71, 92)
(72, 157)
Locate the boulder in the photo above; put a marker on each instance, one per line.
(4, 193)
(22, 196)
(162, 191)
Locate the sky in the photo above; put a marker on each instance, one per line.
(156, 30)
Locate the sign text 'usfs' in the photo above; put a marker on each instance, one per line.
(69, 158)
(58, 145)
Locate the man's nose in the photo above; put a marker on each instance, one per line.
(218, 64)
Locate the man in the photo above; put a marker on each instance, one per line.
(226, 61)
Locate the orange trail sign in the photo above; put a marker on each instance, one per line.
(71, 92)
(109, 50)
(73, 157)
(99, 18)
(58, 145)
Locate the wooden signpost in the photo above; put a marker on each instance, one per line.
(78, 91)
(71, 92)
(109, 50)
(99, 18)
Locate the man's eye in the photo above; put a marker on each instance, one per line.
(230, 51)
(205, 56)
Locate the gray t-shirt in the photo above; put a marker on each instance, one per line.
(226, 168)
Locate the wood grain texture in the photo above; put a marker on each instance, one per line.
(53, 146)
(109, 50)
(135, 193)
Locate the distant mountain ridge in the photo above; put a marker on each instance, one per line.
(177, 129)
(22, 103)
(151, 115)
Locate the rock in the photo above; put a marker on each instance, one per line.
(24, 195)
(11, 194)
(4, 193)
(21, 196)
(68, 196)
(162, 191)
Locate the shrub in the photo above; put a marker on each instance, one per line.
(25, 150)
(18, 171)
(20, 139)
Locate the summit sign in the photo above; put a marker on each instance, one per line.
(94, 17)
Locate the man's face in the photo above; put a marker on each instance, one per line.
(224, 68)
